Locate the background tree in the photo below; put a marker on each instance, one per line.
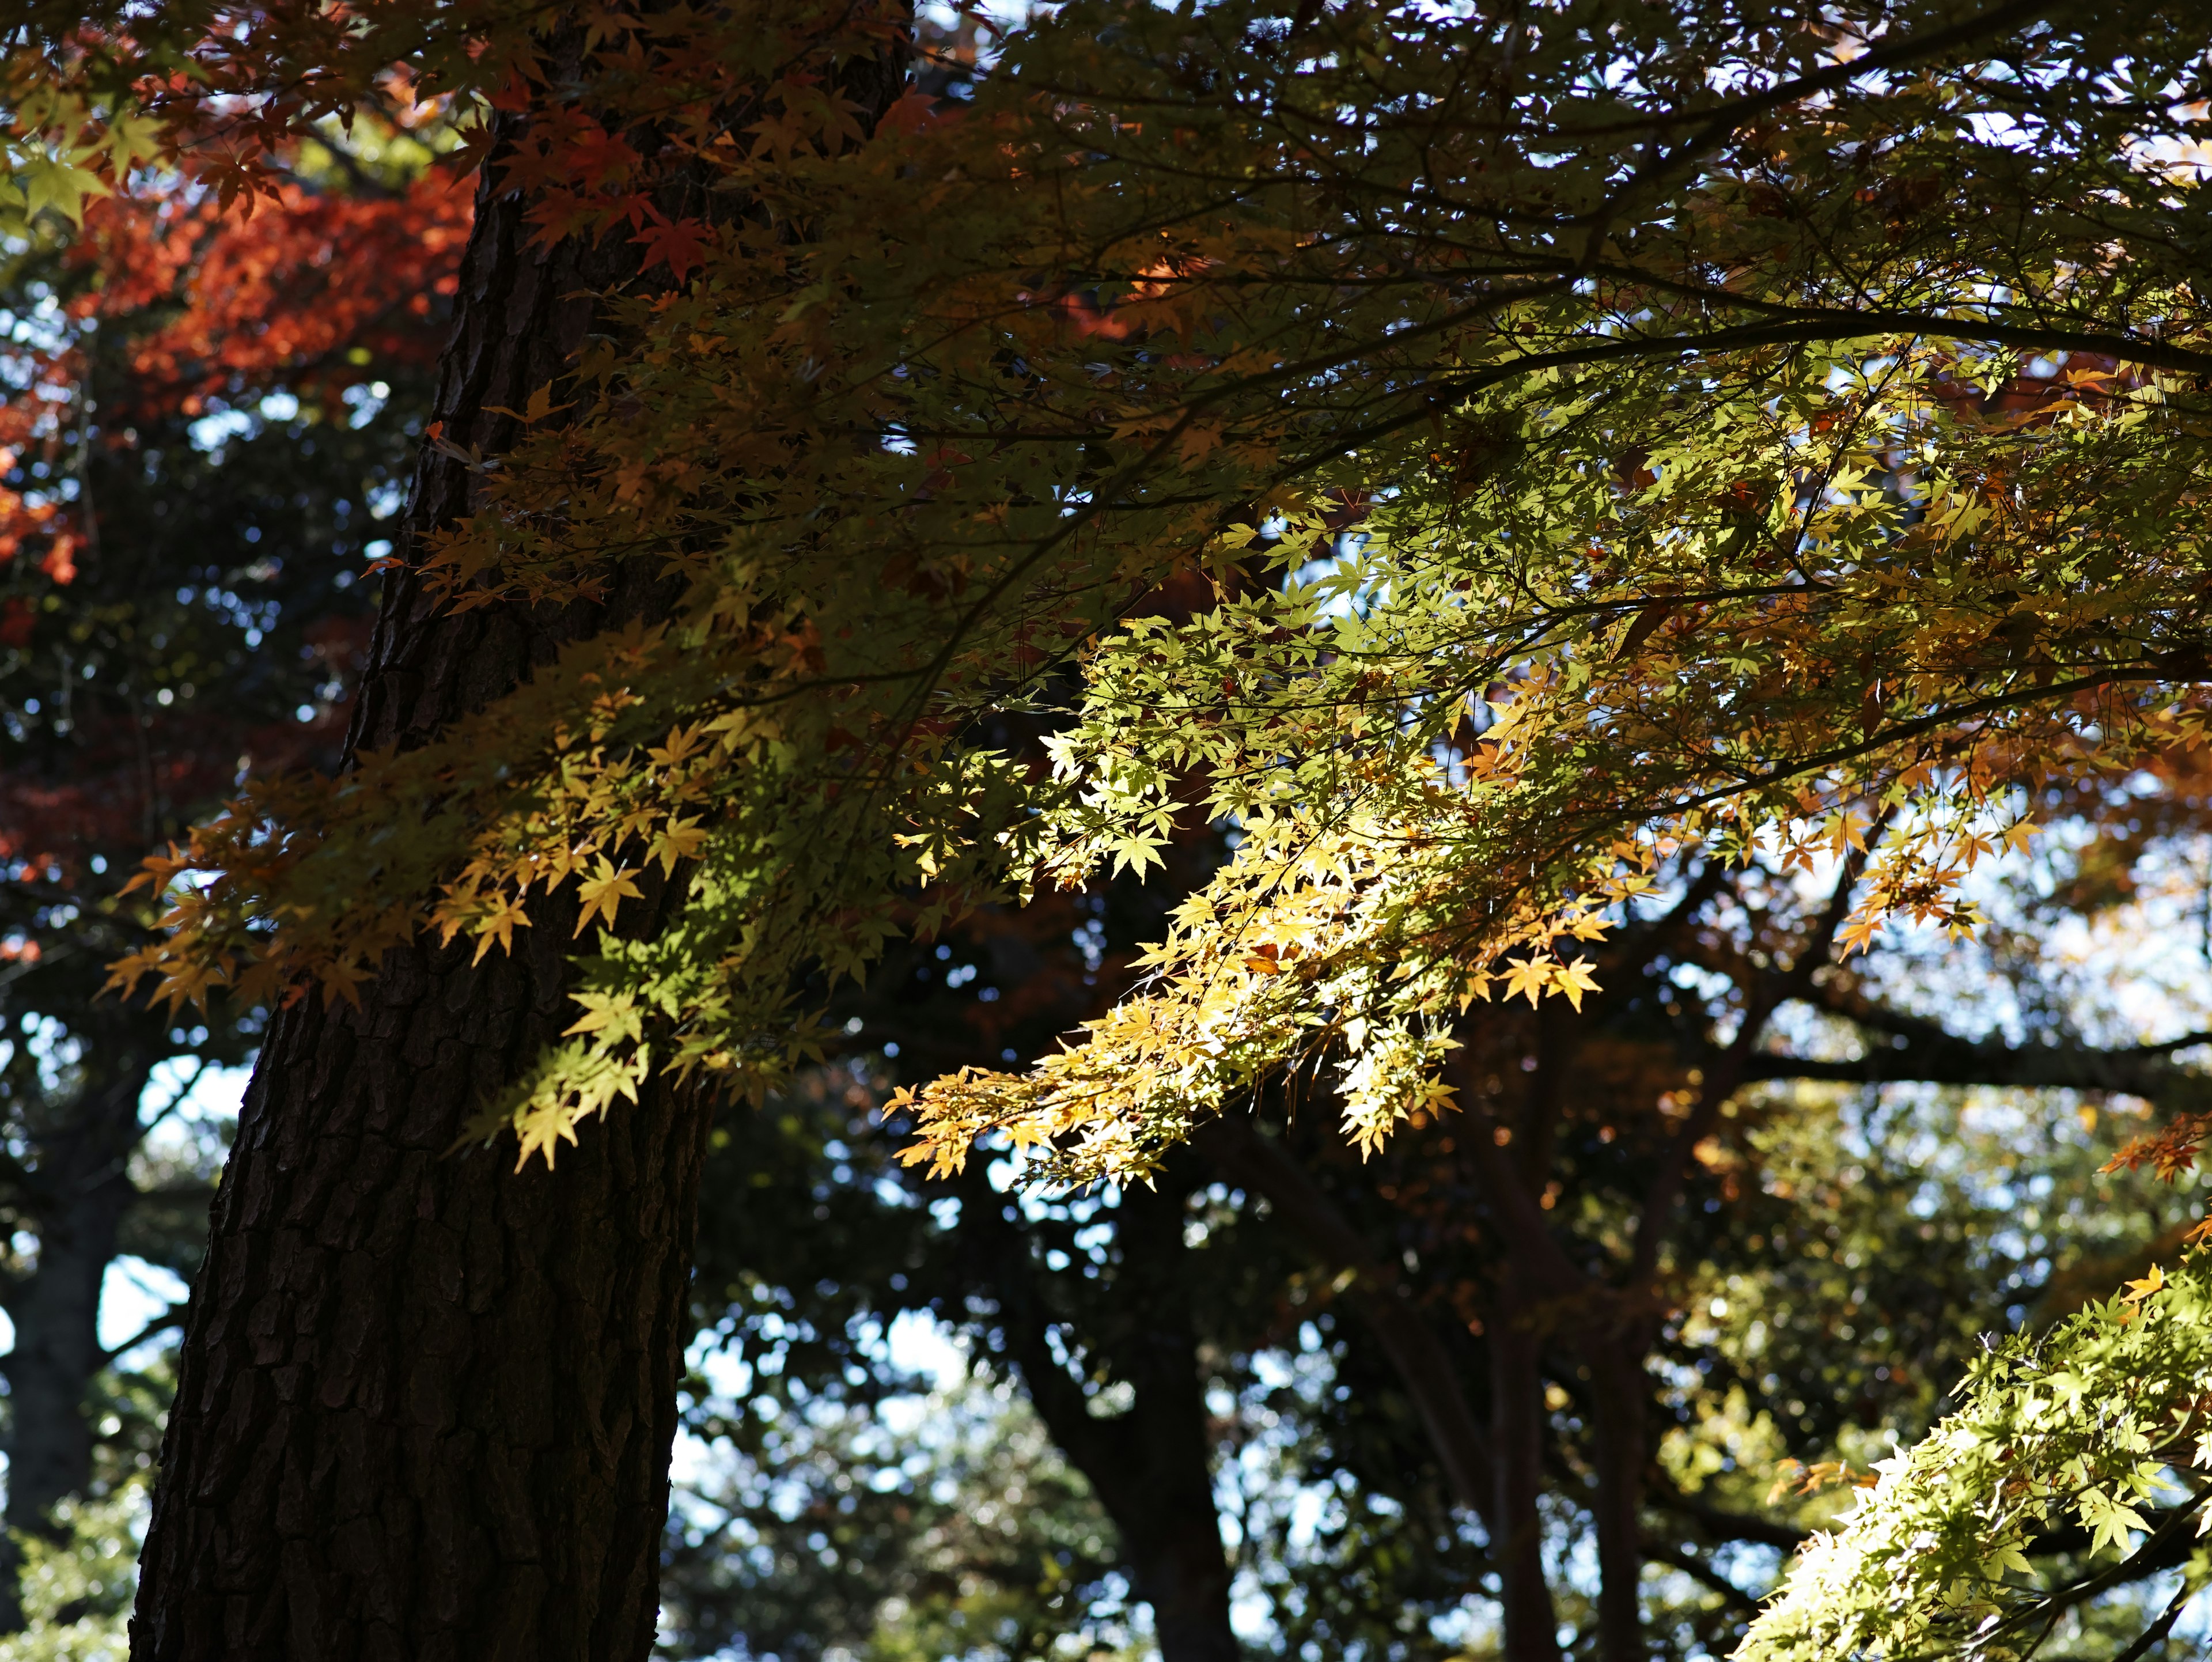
(954, 1530)
(1859, 1243)
(206, 426)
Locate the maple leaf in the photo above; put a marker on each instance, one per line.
(541, 1135)
(683, 742)
(910, 115)
(60, 184)
(342, 979)
(680, 245)
(538, 407)
(1574, 980)
(1138, 852)
(594, 156)
(501, 925)
(1525, 977)
(604, 889)
(1197, 441)
(1858, 934)
(2139, 1290)
(2110, 1520)
(680, 839)
(558, 213)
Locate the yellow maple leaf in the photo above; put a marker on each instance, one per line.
(1574, 980)
(607, 887)
(682, 741)
(187, 980)
(2138, 1291)
(1525, 977)
(502, 923)
(342, 980)
(1857, 936)
(680, 839)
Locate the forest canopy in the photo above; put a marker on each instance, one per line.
(1650, 512)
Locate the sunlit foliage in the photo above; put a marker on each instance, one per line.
(1610, 443)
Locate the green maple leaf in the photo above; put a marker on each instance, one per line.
(2110, 1521)
(49, 182)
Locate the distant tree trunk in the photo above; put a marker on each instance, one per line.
(79, 1188)
(1618, 1381)
(1375, 1293)
(426, 1402)
(1158, 1482)
(1150, 1465)
(1517, 1523)
(1497, 1473)
(83, 1191)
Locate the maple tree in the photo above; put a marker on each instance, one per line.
(1836, 1320)
(1831, 397)
(1809, 1293)
(1617, 439)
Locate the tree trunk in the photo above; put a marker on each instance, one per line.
(82, 1190)
(1162, 1482)
(1517, 1523)
(1259, 1164)
(1617, 1378)
(1152, 1465)
(425, 1402)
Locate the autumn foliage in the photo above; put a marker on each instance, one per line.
(170, 309)
(1608, 446)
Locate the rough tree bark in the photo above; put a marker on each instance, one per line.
(426, 1402)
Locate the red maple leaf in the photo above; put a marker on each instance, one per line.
(910, 115)
(681, 243)
(595, 155)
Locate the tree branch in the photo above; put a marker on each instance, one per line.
(1723, 121)
(2159, 1628)
(173, 1316)
(1933, 1055)
(1724, 1525)
(1258, 1163)
(1674, 1557)
(1731, 1070)
(2165, 1546)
